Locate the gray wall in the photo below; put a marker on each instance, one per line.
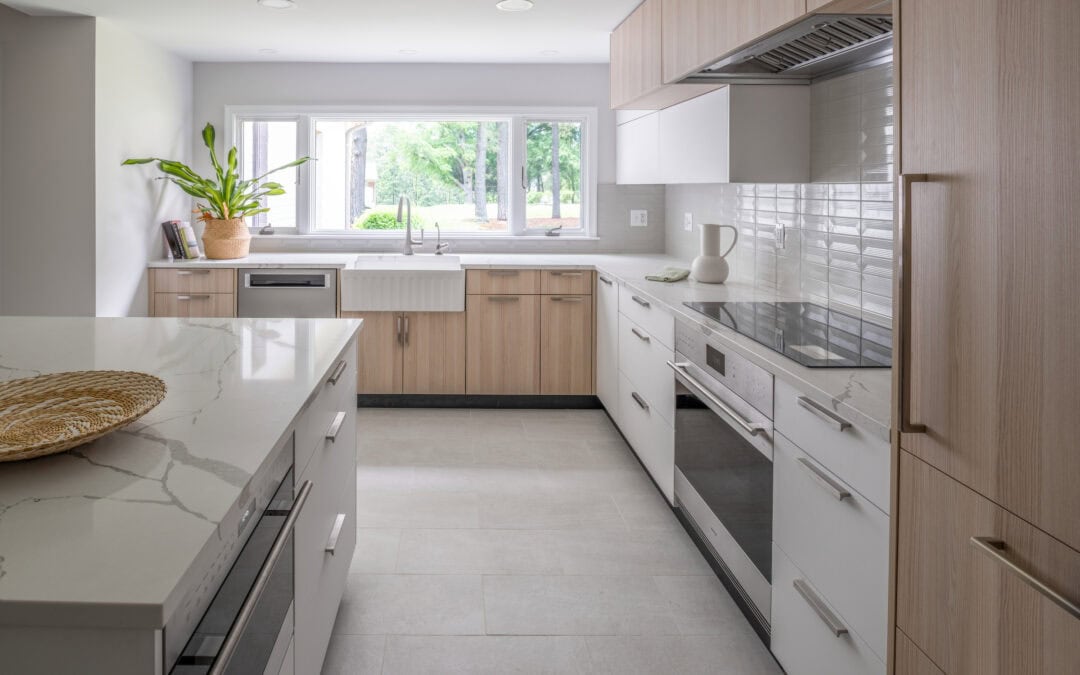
(221, 84)
(143, 109)
(839, 229)
(47, 164)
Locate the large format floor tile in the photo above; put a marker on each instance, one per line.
(524, 541)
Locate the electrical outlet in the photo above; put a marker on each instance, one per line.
(639, 218)
(688, 222)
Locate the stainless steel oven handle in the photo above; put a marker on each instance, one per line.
(247, 610)
(751, 428)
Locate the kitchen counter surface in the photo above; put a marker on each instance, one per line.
(861, 395)
(105, 534)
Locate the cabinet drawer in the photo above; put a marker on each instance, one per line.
(647, 314)
(841, 544)
(643, 359)
(803, 640)
(334, 397)
(194, 304)
(566, 282)
(651, 436)
(859, 459)
(962, 604)
(194, 281)
(502, 282)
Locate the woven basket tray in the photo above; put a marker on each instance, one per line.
(52, 413)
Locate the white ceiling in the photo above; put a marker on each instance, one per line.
(463, 31)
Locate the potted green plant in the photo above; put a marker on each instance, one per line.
(224, 200)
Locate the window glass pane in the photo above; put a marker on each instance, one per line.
(553, 175)
(456, 173)
(266, 144)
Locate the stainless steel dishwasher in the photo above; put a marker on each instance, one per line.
(287, 293)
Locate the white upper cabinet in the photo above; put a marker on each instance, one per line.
(737, 134)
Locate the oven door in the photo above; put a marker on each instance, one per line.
(723, 479)
(248, 626)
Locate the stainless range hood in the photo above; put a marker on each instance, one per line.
(819, 46)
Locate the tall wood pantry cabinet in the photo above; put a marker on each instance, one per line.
(987, 504)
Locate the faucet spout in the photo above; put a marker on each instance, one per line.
(405, 204)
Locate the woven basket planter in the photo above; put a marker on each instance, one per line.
(226, 239)
(52, 413)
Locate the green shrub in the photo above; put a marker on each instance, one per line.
(536, 197)
(382, 220)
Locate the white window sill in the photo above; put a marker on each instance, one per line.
(464, 238)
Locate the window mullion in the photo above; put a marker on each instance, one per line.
(518, 198)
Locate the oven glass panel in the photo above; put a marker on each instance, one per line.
(257, 643)
(731, 476)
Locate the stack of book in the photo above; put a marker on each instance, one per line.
(180, 237)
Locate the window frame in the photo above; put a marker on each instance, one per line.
(517, 116)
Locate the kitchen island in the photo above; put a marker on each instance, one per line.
(111, 552)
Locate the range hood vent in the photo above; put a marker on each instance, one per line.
(819, 46)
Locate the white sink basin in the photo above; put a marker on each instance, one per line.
(403, 283)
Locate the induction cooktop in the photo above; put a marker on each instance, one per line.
(812, 335)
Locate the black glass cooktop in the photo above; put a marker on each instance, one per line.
(812, 335)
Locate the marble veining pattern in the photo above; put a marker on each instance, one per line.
(118, 522)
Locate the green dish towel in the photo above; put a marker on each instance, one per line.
(669, 275)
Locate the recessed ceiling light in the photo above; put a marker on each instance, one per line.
(268, 51)
(408, 52)
(550, 52)
(277, 4)
(514, 5)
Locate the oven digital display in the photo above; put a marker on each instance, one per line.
(715, 359)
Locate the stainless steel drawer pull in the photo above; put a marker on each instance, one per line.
(641, 336)
(504, 273)
(819, 606)
(641, 301)
(202, 296)
(503, 298)
(567, 274)
(188, 273)
(406, 330)
(995, 548)
(335, 427)
(605, 280)
(824, 414)
(335, 533)
(333, 379)
(684, 376)
(824, 479)
(569, 298)
(247, 610)
(640, 401)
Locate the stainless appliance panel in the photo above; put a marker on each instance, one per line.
(287, 293)
(699, 345)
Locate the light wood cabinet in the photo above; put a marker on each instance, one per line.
(566, 344)
(434, 353)
(193, 281)
(911, 661)
(411, 352)
(502, 282)
(636, 68)
(993, 372)
(192, 305)
(192, 292)
(968, 611)
(503, 344)
(566, 282)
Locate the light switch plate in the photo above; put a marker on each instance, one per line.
(688, 222)
(639, 218)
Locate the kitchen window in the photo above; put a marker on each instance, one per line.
(476, 173)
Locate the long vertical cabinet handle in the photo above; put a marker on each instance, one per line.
(906, 181)
(406, 330)
(400, 335)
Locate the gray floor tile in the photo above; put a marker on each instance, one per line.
(411, 604)
(354, 655)
(407, 655)
(575, 605)
(636, 553)
(696, 655)
(477, 551)
(376, 551)
(646, 512)
(554, 511)
(702, 606)
(418, 509)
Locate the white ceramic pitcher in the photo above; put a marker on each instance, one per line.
(710, 267)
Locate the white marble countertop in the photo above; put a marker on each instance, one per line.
(861, 395)
(104, 534)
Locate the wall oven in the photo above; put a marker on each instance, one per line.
(247, 626)
(723, 463)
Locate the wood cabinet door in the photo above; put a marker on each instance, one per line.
(993, 369)
(968, 611)
(910, 660)
(635, 54)
(502, 353)
(566, 344)
(195, 304)
(379, 347)
(434, 359)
